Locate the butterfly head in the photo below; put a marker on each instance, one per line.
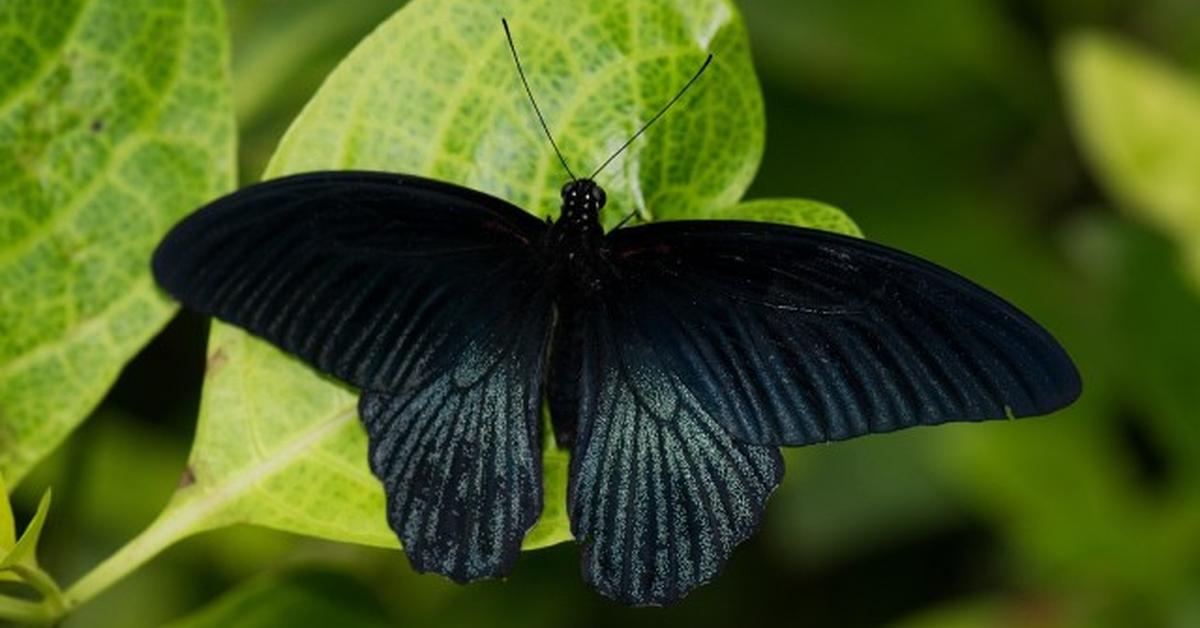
(577, 231)
(585, 195)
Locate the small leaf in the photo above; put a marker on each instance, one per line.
(789, 211)
(1138, 119)
(8, 527)
(24, 552)
(434, 92)
(115, 120)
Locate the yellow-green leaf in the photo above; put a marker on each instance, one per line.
(434, 92)
(24, 551)
(1138, 119)
(8, 526)
(790, 211)
(115, 120)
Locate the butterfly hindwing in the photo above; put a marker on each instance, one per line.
(429, 297)
(659, 492)
(458, 452)
(792, 336)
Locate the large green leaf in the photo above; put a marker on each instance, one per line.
(115, 119)
(433, 91)
(1138, 119)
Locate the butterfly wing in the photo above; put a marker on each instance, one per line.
(429, 297)
(659, 492)
(457, 453)
(713, 342)
(793, 336)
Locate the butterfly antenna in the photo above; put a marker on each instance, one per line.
(656, 116)
(536, 109)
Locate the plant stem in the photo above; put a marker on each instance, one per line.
(40, 581)
(171, 526)
(24, 612)
(195, 509)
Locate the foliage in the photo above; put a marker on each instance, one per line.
(1139, 120)
(279, 445)
(18, 562)
(288, 439)
(940, 126)
(115, 120)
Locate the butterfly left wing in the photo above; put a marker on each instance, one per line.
(428, 296)
(659, 493)
(457, 451)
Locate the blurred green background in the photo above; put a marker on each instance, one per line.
(943, 129)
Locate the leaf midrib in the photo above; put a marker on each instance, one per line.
(227, 489)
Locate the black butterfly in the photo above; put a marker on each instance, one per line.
(677, 357)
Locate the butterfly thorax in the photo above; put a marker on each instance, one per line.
(576, 239)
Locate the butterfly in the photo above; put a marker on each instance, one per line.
(675, 357)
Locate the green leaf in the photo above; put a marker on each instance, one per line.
(8, 529)
(280, 446)
(791, 211)
(1138, 119)
(8, 526)
(24, 552)
(314, 599)
(115, 120)
(20, 563)
(434, 92)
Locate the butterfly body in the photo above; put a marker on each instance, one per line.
(575, 242)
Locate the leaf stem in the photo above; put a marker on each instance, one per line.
(25, 612)
(171, 526)
(40, 581)
(195, 509)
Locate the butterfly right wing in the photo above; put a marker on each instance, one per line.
(429, 297)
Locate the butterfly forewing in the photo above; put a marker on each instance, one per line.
(367, 276)
(432, 299)
(793, 336)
